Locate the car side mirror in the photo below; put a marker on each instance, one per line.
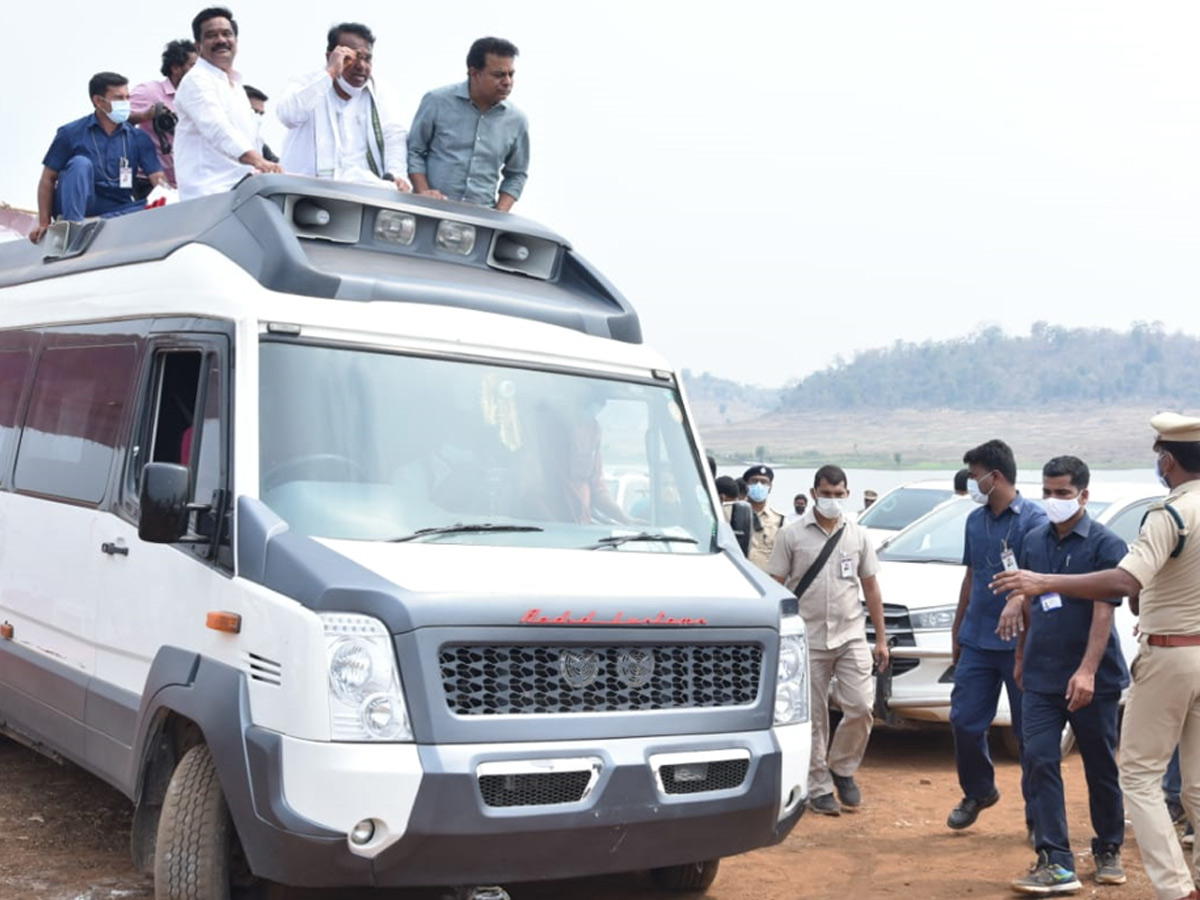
(163, 505)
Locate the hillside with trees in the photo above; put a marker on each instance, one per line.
(991, 370)
(1086, 391)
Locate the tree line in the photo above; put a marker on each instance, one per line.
(988, 369)
(991, 370)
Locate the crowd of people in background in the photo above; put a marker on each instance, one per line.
(1035, 618)
(198, 130)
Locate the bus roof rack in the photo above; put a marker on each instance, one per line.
(348, 242)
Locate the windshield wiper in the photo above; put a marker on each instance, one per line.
(617, 539)
(461, 528)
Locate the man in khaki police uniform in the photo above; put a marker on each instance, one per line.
(837, 641)
(767, 521)
(1161, 575)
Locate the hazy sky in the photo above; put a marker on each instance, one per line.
(773, 185)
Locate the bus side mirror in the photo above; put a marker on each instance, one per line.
(163, 507)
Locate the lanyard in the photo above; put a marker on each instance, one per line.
(102, 158)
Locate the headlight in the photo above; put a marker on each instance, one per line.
(365, 699)
(791, 683)
(940, 618)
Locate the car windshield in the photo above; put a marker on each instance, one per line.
(367, 445)
(938, 537)
(898, 508)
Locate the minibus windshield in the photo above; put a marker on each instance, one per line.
(367, 445)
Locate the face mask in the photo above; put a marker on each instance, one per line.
(120, 111)
(348, 87)
(1059, 510)
(758, 491)
(1158, 473)
(975, 493)
(830, 507)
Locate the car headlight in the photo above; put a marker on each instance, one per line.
(791, 682)
(365, 699)
(939, 618)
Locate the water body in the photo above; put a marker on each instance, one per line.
(791, 481)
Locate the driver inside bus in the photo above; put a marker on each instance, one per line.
(569, 482)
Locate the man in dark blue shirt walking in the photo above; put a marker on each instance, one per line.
(995, 536)
(1070, 668)
(89, 168)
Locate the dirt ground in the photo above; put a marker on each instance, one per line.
(65, 836)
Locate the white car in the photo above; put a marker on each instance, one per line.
(903, 505)
(921, 573)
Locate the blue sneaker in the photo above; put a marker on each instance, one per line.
(1045, 877)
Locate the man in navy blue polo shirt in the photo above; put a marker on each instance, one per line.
(995, 536)
(1070, 668)
(89, 168)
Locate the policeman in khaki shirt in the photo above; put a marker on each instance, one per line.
(833, 618)
(766, 521)
(1161, 575)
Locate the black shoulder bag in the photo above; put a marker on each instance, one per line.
(807, 579)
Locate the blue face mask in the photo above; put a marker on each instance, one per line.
(758, 491)
(120, 111)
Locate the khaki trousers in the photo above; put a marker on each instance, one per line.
(1163, 709)
(851, 663)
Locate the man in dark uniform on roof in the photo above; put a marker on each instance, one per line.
(1162, 571)
(89, 168)
(1070, 669)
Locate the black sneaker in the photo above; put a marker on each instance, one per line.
(1175, 808)
(825, 805)
(968, 810)
(1108, 867)
(847, 791)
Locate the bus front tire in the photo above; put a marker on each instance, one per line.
(195, 834)
(691, 877)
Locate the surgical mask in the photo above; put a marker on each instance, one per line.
(758, 491)
(831, 507)
(975, 493)
(1059, 510)
(120, 111)
(1158, 473)
(348, 87)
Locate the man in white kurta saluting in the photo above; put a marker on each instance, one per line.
(340, 124)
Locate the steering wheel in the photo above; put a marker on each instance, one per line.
(293, 469)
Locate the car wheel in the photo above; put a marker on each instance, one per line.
(690, 877)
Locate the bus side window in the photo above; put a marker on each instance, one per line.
(165, 433)
(205, 440)
(175, 409)
(14, 372)
(72, 428)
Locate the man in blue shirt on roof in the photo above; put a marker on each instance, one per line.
(1070, 668)
(89, 168)
(467, 141)
(995, 536)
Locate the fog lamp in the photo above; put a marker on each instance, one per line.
(456, 237)
(395, 227)
(363, 832)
